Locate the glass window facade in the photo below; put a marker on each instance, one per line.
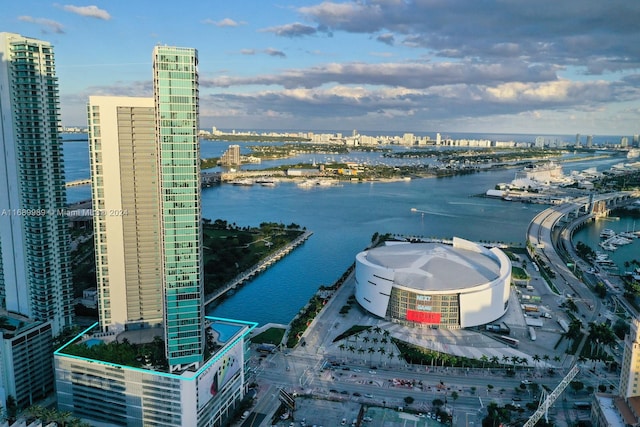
(176, 102)
(33, 179)
(414, 308)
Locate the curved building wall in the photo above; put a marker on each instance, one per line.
(386, 292)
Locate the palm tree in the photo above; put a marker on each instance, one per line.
(371, 351)
(386, 334)
(505, 360)
(484, 359)
(536, 359)
(514, 360)
(366, 339)
(454, 396)
(382, 352)
(546, 358)
(391, 355)
(556, 358)
(377, 329)
(495, 360)
(356, 336)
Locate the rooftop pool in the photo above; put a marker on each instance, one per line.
(225, 331)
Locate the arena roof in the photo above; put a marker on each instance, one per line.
(434, 266)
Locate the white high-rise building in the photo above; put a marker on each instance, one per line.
(124, 171)
(36, 291)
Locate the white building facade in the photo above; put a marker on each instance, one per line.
(432, 284)
(109, 394)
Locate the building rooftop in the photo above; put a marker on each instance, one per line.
(435, 266)
(143, 349)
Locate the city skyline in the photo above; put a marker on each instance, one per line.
(374, 65)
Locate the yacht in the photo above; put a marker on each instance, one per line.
(607, 233)
(608, 246)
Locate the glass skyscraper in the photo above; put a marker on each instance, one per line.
(36, 291)
(175, 88)
(35, 274)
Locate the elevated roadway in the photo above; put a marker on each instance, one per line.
(549, 238)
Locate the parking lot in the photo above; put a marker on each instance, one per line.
(325, 413)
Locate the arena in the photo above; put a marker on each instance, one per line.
(434, 284)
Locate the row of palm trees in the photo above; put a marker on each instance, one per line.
(376, 340)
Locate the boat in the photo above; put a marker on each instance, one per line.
(608, 246)
(242, 182)
(266, 182)
(607, 233)
(307, 184)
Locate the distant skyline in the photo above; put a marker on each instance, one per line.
(543, 67)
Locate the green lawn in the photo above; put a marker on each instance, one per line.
(270, 336)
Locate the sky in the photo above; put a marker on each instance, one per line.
(507, 66)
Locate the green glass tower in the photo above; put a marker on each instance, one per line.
(175, 87)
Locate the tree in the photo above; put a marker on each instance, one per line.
(576, 386)
(536, 358)
(409, 400)
(621, 328)
(496, 416)
(505, 360)
(484, 359)
(371, 351)
(454, 396)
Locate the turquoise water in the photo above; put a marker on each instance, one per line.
(93, 341)
(590, 236)
(225, 331)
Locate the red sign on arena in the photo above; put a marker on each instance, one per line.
(423, 316)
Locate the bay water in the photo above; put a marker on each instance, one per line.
(343, 220)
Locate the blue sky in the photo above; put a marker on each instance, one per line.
(512, 66)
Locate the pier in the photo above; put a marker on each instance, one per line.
(257, 269)
(78, 183)
(207, 179)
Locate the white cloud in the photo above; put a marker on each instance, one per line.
(52, 25)
(90, 11)
(226, 22)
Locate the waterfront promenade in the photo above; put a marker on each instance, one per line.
(257, 269)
